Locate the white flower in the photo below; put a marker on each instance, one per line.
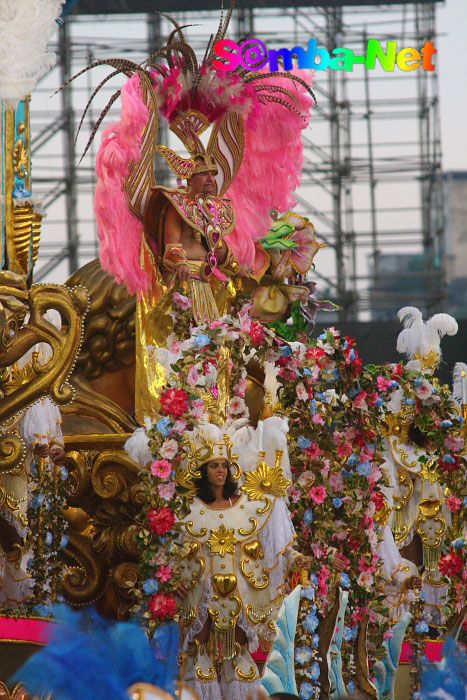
(365, 580)
(169, 449)
(301, 391)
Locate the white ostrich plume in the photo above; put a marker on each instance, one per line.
(421, 337)
(25, 27)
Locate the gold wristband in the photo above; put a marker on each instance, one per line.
(174, 256)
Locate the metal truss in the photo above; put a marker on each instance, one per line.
(372, 157)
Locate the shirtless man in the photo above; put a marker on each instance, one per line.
(177, 230)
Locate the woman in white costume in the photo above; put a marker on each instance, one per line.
(239, 551)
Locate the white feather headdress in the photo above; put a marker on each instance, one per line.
(421, 340)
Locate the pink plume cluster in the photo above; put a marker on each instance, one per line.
(217, 93)
(120, 232)
(271, 168)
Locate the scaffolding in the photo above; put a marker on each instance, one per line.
(371, 182)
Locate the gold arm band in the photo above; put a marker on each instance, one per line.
(230, 265)
(174, 256)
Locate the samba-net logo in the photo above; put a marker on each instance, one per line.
(253, 55)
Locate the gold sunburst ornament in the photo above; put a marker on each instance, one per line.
(222, 541)
(266, 480)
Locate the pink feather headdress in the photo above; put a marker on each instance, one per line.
(265, 112)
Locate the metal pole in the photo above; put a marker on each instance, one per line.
(69, 148)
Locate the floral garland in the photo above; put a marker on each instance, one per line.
(335, 456)
(192, 367)
(48, 527)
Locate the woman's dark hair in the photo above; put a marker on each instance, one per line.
(203, 487)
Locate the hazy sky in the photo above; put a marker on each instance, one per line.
(452, 66)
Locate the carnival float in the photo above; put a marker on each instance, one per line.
(198, 494)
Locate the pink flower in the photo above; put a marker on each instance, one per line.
(340, 536)
(325, 470)
(179, 426)
(294, 493)
(336, 482)
(359, 401)
(454, 503)
(454, 443)
(237, 405)
(161, 468)
(167, 490)
(389, 634)
(192, 376)
(182, 302)
(383, 383)
(317, 418)
(197, 408)
(169, 449)
(318, 494)
(164, 573)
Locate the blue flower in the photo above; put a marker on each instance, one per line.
(322, 397)
(37, 501)
(408, 402)
(459, 543)
(418, 381)
(352, 355)
(314, 579)
(353, 392)
(63, 541)
(345, 581)
(49, 538)
(465, 500)
(303, 655)
(313, 406)
(303, 442)
(346, 473)
(315, 641)
(449, 459)
(200, 341)
(286, 351)
(315, 671)
(63, 473)
(352, 460)
(421, 627)
(379, 402)
(350, 633)
(34, 468)
(364, 468)
(308, 516)
(351, 687)
(337, 502)
(164, 426)
(445, 423)
(150, 586)
(422, 596)
(308, 592)
(310, 623)
(307, 691)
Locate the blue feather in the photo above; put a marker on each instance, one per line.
(450, 675)
(95, 658)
